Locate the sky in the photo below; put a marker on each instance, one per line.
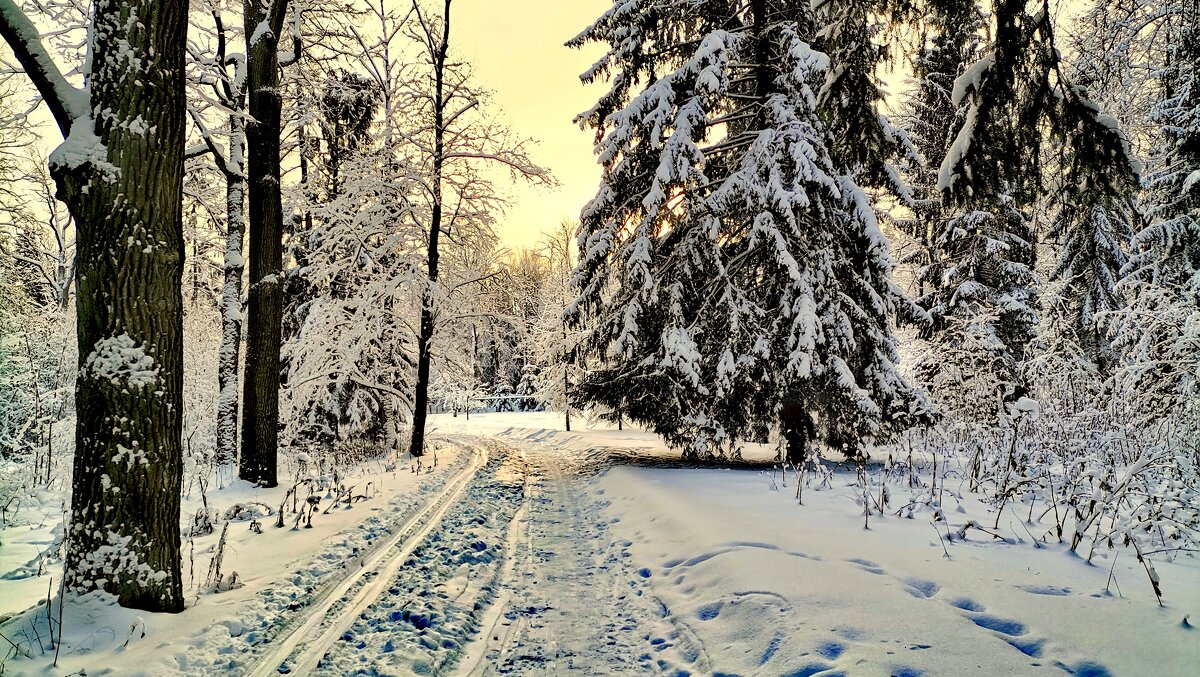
(516, 50)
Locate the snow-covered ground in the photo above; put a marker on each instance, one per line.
(531, 550)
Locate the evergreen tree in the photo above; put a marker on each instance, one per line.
(982, 284)
(950, 40)
(862, 142)
(1159, 333)
(1168, 250)
(730, 272)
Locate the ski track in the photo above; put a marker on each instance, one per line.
(258, 625)
(520, 572)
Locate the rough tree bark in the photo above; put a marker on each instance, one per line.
(120, 172)
(260, 396)
(231, 293)
(230, 90)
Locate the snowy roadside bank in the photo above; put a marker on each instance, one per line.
(770, 587)
(280, 571)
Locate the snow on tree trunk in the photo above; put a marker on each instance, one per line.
(231, 294)
(120, 172)
(260, 399)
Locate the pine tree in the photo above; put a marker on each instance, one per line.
(1159, 332)
(730, 274)
(983, 289)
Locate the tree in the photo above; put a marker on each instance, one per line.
(120, 172)
(732, 275)
(349, 361)
(1168, 250)
(451, 140)
(263, 21)
(228, 80)
(555, 340)
(950, 40)
(983, 289)
(1159, 332)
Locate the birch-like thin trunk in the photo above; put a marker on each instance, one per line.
(425, 339)
(231, 294)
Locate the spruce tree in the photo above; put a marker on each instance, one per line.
(1158, 333)
(983, 289)
(950, 40)
(731, 273)
(1168, 250)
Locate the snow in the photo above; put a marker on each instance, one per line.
(595, 551)
(281, 571)
(971, 79)
(83, 147)
(121, 361)
(1192, 180)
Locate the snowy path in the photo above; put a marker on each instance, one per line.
(314, 632)
(573, 600)
(520, 577)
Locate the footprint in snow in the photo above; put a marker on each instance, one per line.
(1052, 590)
(1030, 647)
(831, 650)
(1004, 626)
(867, 565)
(1084, 669)
(921, 588)
(966, 604)
(709, 611)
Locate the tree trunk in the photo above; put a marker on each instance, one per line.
(260, 398)
(231, 294)
(566, 381)
(421, 400)
(796, 427)
(124, 186)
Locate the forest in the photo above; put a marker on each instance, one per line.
(919, 252)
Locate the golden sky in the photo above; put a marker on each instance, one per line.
(516, 49)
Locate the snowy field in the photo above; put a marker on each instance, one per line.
(530, 550)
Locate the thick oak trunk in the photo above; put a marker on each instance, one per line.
(260, 397)
(124, 186)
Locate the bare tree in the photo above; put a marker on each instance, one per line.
(264, 21)
(228, 83)
(452, 141)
